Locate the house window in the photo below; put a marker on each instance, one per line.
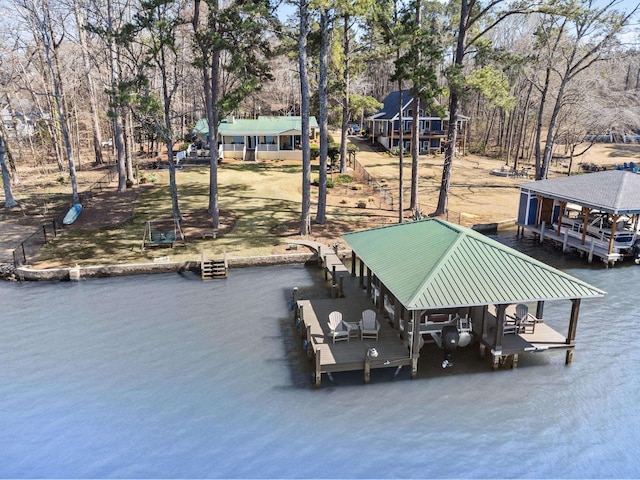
(237, 140)
(267, 140)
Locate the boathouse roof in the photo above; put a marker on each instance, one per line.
(611, 191)
(434, 264)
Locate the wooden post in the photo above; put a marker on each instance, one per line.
(303, 326)
(333, 273)
(562, 207)
(565, 241)
(585, 223)
(542, 227)
(367, 368)
(573, 326)
(500, 318)
(397, 313)
(540, 309)
(341, 291)
(613, 231)
(368, 282)
(318, 376)
(326, 270)
(361, 274)
(353, 263)
(309, 344)
(415, 344)
(381, 293)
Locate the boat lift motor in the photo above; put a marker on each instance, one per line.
(450, 340)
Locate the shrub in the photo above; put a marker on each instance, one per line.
(152, 178)
(61, 180)
(343, 178)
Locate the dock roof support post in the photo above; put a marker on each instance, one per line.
(540, 198)
(500, 317)
(585, 211)
(318, 373)
(353, 263)
(614, 224)
(361, 274)
(560, 215)
(397, 314)
(573, 326)
(368, 282)
(415, 342)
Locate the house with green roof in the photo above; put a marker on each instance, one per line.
(597, 214)
(430, 274)
(262, 138)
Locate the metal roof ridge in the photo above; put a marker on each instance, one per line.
(439, 265)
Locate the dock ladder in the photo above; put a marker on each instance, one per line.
(213, 268)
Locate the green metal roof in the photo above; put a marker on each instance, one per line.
(435, 264)
(265, 125)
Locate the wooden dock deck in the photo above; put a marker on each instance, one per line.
(349, 355)
(569, 240)
(343, 356)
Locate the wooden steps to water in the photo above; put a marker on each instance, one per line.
(210, 269)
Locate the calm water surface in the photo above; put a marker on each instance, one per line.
(167, 376)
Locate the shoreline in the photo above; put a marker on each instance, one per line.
(25, 273)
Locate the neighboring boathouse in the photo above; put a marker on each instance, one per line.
(596, 214)
(446, 282)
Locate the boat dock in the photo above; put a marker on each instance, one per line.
(464, 292)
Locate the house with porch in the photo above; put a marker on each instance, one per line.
(262, 138)
(596, 214)
(384, 126)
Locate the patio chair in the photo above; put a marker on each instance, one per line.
(338, 330)
(369, 325)
(525, 322)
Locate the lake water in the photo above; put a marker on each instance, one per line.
(167, 376)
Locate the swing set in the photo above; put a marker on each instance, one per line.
(163, 232)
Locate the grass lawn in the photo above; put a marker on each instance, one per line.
(259, 203)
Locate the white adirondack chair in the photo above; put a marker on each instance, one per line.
(338, 330)
(369, 325)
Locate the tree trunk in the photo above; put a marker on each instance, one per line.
(415, 150)
(345, 95)
(454, 100)
(321, 215)
(400, 156)
(538, 140)
(9, 201)
(305, 217)
(116, 108)
(54, 70)
(93, 103)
